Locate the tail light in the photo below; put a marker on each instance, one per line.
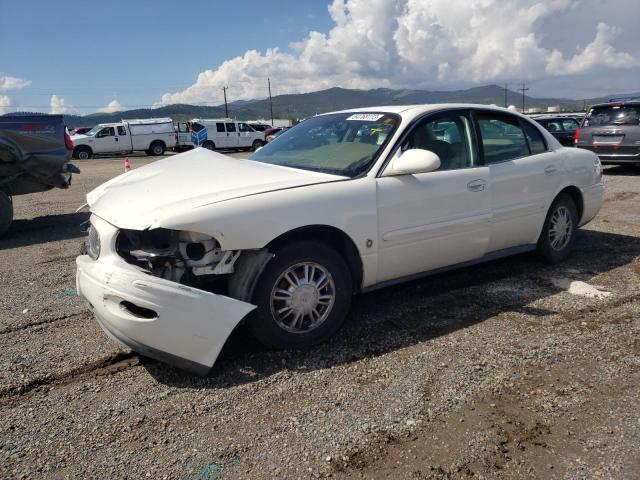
(576, 136)
(67, 140)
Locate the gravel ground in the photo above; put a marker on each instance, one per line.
(496, 371)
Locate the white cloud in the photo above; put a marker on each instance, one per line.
(7, 105)
(58, 105)
(418, 44)
(12, 83)
(112, 106)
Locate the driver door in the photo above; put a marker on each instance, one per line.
(437, 219)
(105, 141)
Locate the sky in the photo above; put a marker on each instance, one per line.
(109, 56)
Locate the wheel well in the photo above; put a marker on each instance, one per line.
(82, 147)
(576, 195)
(331, 236)
(160, 142)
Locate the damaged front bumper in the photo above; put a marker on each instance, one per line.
(158, 318)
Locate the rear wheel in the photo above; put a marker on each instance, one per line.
(209, 145)
(256, 145)
(558, 234)
(303, 296)
(6, 212)
(157, 149)
(82, 153)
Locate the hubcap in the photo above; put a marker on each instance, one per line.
(302, 297)
(560, 228)
(83, 155)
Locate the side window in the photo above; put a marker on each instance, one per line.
(121, 130)
(231, 127)
(448, 136)
(183, 128)
(554, 126)
(570, 124)
(535, 138)
(502, 137)
(243, 127)
(220, 127)
(106, 132)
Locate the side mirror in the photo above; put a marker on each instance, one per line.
(415, 160)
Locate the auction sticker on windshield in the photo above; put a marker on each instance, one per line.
(366, 117)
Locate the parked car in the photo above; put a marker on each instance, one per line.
(181, 251)
(150, 135)
(612, 131)
(212, 133)
(260, 127)
(562, 128)
(272, 136)
(270, 132)
(80, 130)
(34, 155)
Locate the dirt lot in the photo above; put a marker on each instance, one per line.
(497, 371)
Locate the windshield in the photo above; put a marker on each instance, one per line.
(613, 115)
(339, 143)
(94, 130)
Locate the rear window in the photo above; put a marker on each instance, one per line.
(613, 115)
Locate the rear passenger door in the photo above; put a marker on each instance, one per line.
(246, 134)
(524, 176)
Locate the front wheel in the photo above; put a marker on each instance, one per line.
(558, 234)
(303, 296)
(209, 145)
(6, 212)
(82, 153)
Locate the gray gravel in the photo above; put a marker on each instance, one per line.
(493, 371)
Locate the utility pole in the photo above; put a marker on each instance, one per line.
(270, 103)
(226, 108)
(523, 89)
(505, 96)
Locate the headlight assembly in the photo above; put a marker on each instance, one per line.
(93, 243)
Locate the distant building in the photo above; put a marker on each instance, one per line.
(553, 109)
(277, 122)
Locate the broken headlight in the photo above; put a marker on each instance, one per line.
(93, 243)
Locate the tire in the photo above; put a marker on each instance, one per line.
(157, 149)
(6, 213)
(256, 145)
(334, 292)
(555, 244)
(209, 145)
(82, 153)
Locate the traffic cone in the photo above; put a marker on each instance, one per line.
(127, 164)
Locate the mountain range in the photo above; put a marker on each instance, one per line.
(302, 105)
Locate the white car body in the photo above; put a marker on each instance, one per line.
(400, 227)
(128, 136)
(226, 133)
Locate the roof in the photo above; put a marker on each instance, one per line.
(414, 110)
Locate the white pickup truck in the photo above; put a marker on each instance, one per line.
(151, 135)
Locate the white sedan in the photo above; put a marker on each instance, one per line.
(183, 250)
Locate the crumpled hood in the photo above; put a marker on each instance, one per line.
(143, 197)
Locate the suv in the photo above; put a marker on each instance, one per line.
(612, 131)
(563, 128)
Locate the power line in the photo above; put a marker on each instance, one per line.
(523, 89)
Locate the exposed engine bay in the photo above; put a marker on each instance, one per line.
(189, 258)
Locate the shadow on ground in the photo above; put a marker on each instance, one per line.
(48, 228)
(411, 313)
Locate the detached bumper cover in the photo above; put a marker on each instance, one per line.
(158, 318)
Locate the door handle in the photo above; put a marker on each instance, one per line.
(550, 170)
(477, 185)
